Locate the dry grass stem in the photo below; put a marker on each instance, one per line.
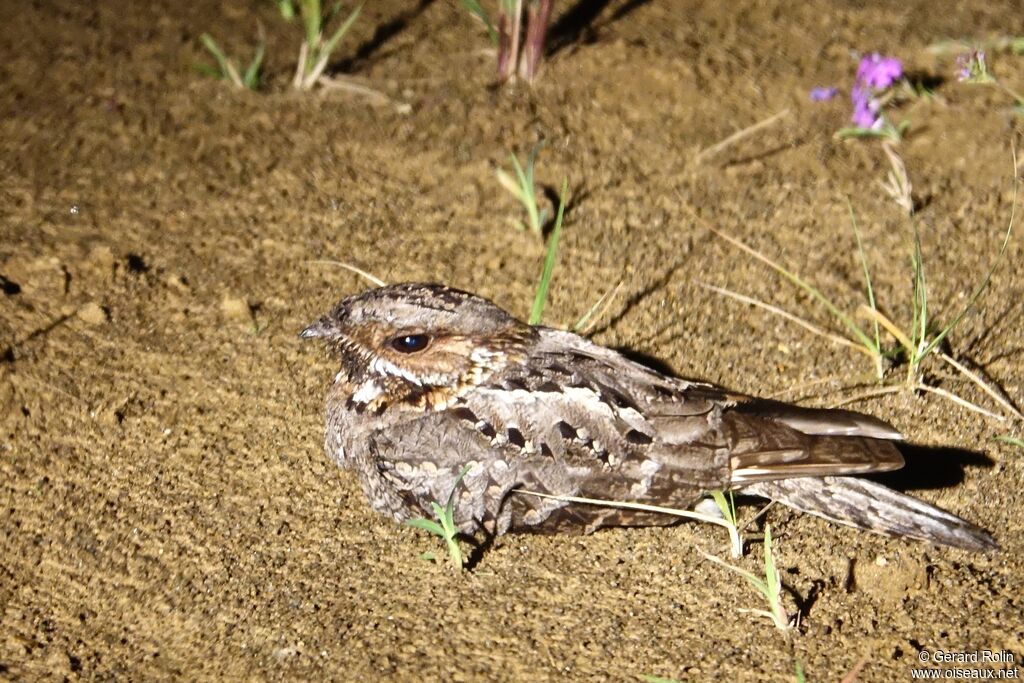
(949, 395)
(807, 325)
(675, 512)
(974, 377)
(349, 85)
(897, 182)
(358, 271)
(801, 387)
(739, 135)
(591, 318)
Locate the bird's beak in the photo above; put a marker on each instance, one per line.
(321, 328)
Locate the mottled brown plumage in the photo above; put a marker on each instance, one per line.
(433, 379)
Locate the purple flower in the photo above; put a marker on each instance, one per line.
(865, 109)
(874, 74)
(823, 94)
(973, 68)
(878, 72)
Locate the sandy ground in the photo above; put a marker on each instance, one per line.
(167, 509)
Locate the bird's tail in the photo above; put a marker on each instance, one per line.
(866, 505)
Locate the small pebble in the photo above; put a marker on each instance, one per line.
(92, 314)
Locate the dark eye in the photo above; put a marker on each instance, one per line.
(410, 343)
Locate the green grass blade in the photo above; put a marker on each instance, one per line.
(727, 507)
(251, 77)
(329, 46)
(331, 13)
(449, 506)
(919, 331)
(758, 583)
(211, 45)
(207, 70)
(1012, 440)
(474, 8)
(867, 277)
(520, 174)
(800, 678)
(311, 19)
(988, 276)
(771, 574)
(527, 194)
(531, 161)
(454, 551)
(847, 321)
(510, 184)
(286, 8)
(427, 525)
(537, 312)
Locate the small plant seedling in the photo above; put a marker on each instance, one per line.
(550, 256)
(886, 131)
(974, 69)
(1011, 44)
(475, 9)
(1012, 440)
(914, 346)
(523, 188)
(541, 297)
(444, 527)
(770, 587)
(286, 8)
(727, 506)
(518, 50)
(227, 69)
(872, 90)
(316, 50)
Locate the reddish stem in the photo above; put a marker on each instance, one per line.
(505, 57)
(536, 31)
(516, 34)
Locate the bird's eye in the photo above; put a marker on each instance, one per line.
(410, 343)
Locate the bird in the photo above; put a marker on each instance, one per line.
(435, 382)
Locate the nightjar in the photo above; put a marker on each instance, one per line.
(433, 379)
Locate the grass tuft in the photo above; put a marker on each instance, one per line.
(316, 50)
(541, 297)
(913, 345)
(475, 9)
(444, 527)
(728, 509)
(228, 69)
(286, 8)
(770, 587)
(523, 187)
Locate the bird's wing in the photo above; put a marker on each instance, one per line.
(762, 440)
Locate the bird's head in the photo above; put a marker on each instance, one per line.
(426, 335)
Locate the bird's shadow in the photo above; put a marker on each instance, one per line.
(647, 360)
(931, 467)
(481, 543)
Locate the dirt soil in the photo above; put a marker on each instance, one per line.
(167, 508)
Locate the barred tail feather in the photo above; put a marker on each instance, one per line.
(867, 505)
